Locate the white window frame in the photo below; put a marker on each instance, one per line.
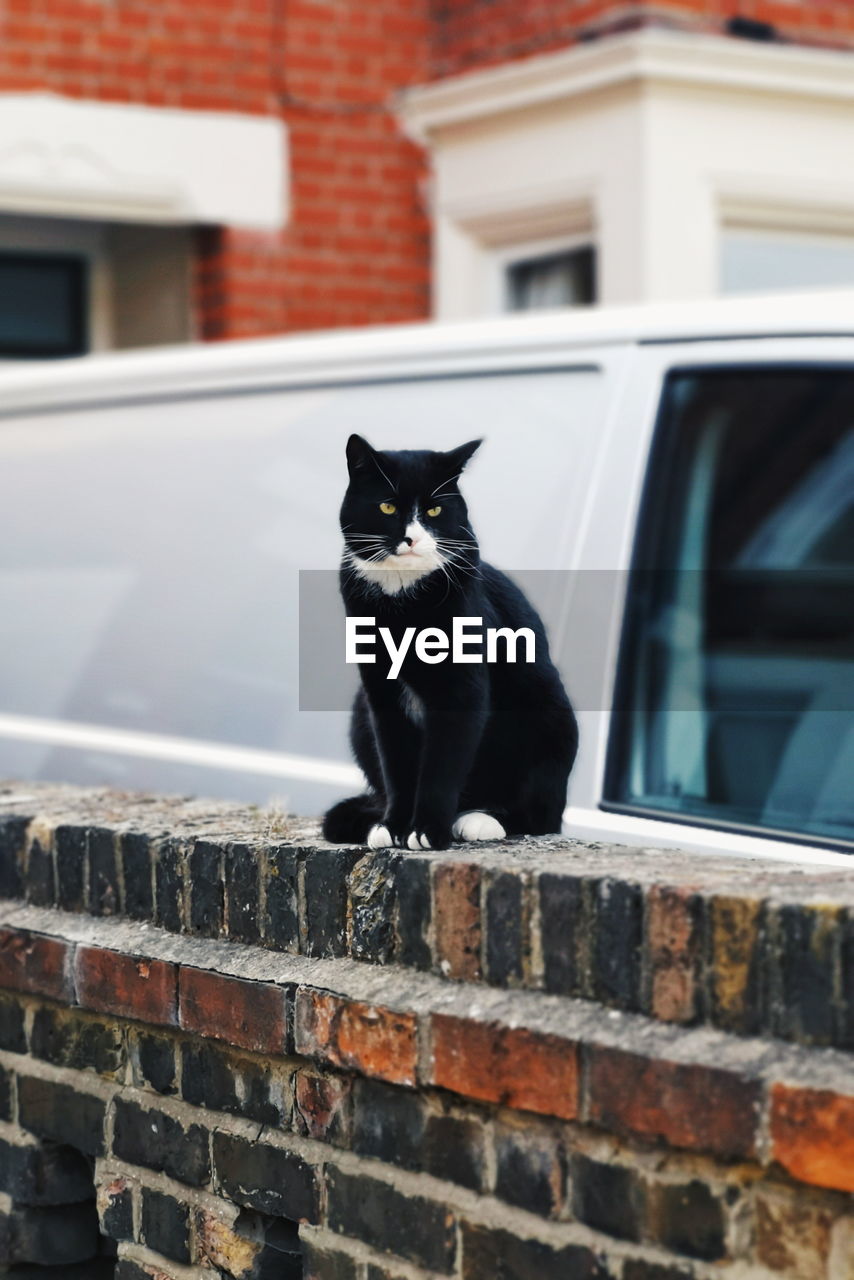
(528, 251)
(661, 135)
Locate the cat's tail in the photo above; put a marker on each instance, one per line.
(349, 821)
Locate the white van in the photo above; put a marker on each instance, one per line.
(674, 485)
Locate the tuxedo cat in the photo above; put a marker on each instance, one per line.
(450, 750)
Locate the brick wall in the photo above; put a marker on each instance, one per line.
(227, 1046)
(356, 250)
(476, 33)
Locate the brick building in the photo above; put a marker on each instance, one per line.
(231, 168)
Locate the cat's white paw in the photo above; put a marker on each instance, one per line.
(379, 837)
(414, 842)
(478, 826)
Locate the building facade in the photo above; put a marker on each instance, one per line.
(209, 169)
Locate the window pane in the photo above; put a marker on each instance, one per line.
(737, 701)
(759, 261)
(42, 305)
(556, 280)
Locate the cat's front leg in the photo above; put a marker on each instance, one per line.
(398, 748)
(451, 740)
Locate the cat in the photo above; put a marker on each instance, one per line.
(465, 751)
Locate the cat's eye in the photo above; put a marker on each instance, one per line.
(433, 511)
(388, 508)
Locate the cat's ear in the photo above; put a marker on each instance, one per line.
(455, 460)
(360, 455)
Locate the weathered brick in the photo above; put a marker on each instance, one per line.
(40, 889)
(103, 872)
(529, 1167)
(322, 1106)
(812, 1135)
(388, 1123)
(410, 1226)
(244, 1013)
(13, 833)
(689, 1218)
(641, 1269)
(793, 1235)
(281, 906)
(328, 1264)
(454, 1150)
(169, 857)
(165, 1225)
(127, 986)
(518, 1068)
(138, 873)
(153, 1058)
(734, 941)
(68, 1039)
(607, 1197)
(5, 1094)
(564, 932)
(241, 893)
(221, 1246)
(266, 1178)
(158, 1141)
(44, 1173)
(366, 1038)
(70, 852)
(505, 929)
(414, 913)
(115, 1209)
(324, 928)
(207, 1078)
(35, 964)
(62, 1114)
(12, 1034)
(673, 939)
(617, 941)
(490, 1254)
(697, 1107)
(457, 920)
(806, 954)
(205, 889)
(373, 896)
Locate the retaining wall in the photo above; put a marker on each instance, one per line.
(229, 1049)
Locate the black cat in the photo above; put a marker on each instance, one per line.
(466, 751)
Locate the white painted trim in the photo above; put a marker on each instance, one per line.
(194, 751)
(65, 157)
(664, 57)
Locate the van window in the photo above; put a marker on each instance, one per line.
(735, 702)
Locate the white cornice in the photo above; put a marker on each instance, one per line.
(668, 57)
(85, 159)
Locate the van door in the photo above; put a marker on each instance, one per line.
(731, 716)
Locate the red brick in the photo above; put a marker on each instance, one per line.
(127, 986)
(672, 933)
(456, 911)
(248, 1014)
(812, 1135)
(685, 1105)
(523, 1069)
(366, 1038)
(35, 964)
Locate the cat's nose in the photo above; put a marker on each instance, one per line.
(409, 541)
